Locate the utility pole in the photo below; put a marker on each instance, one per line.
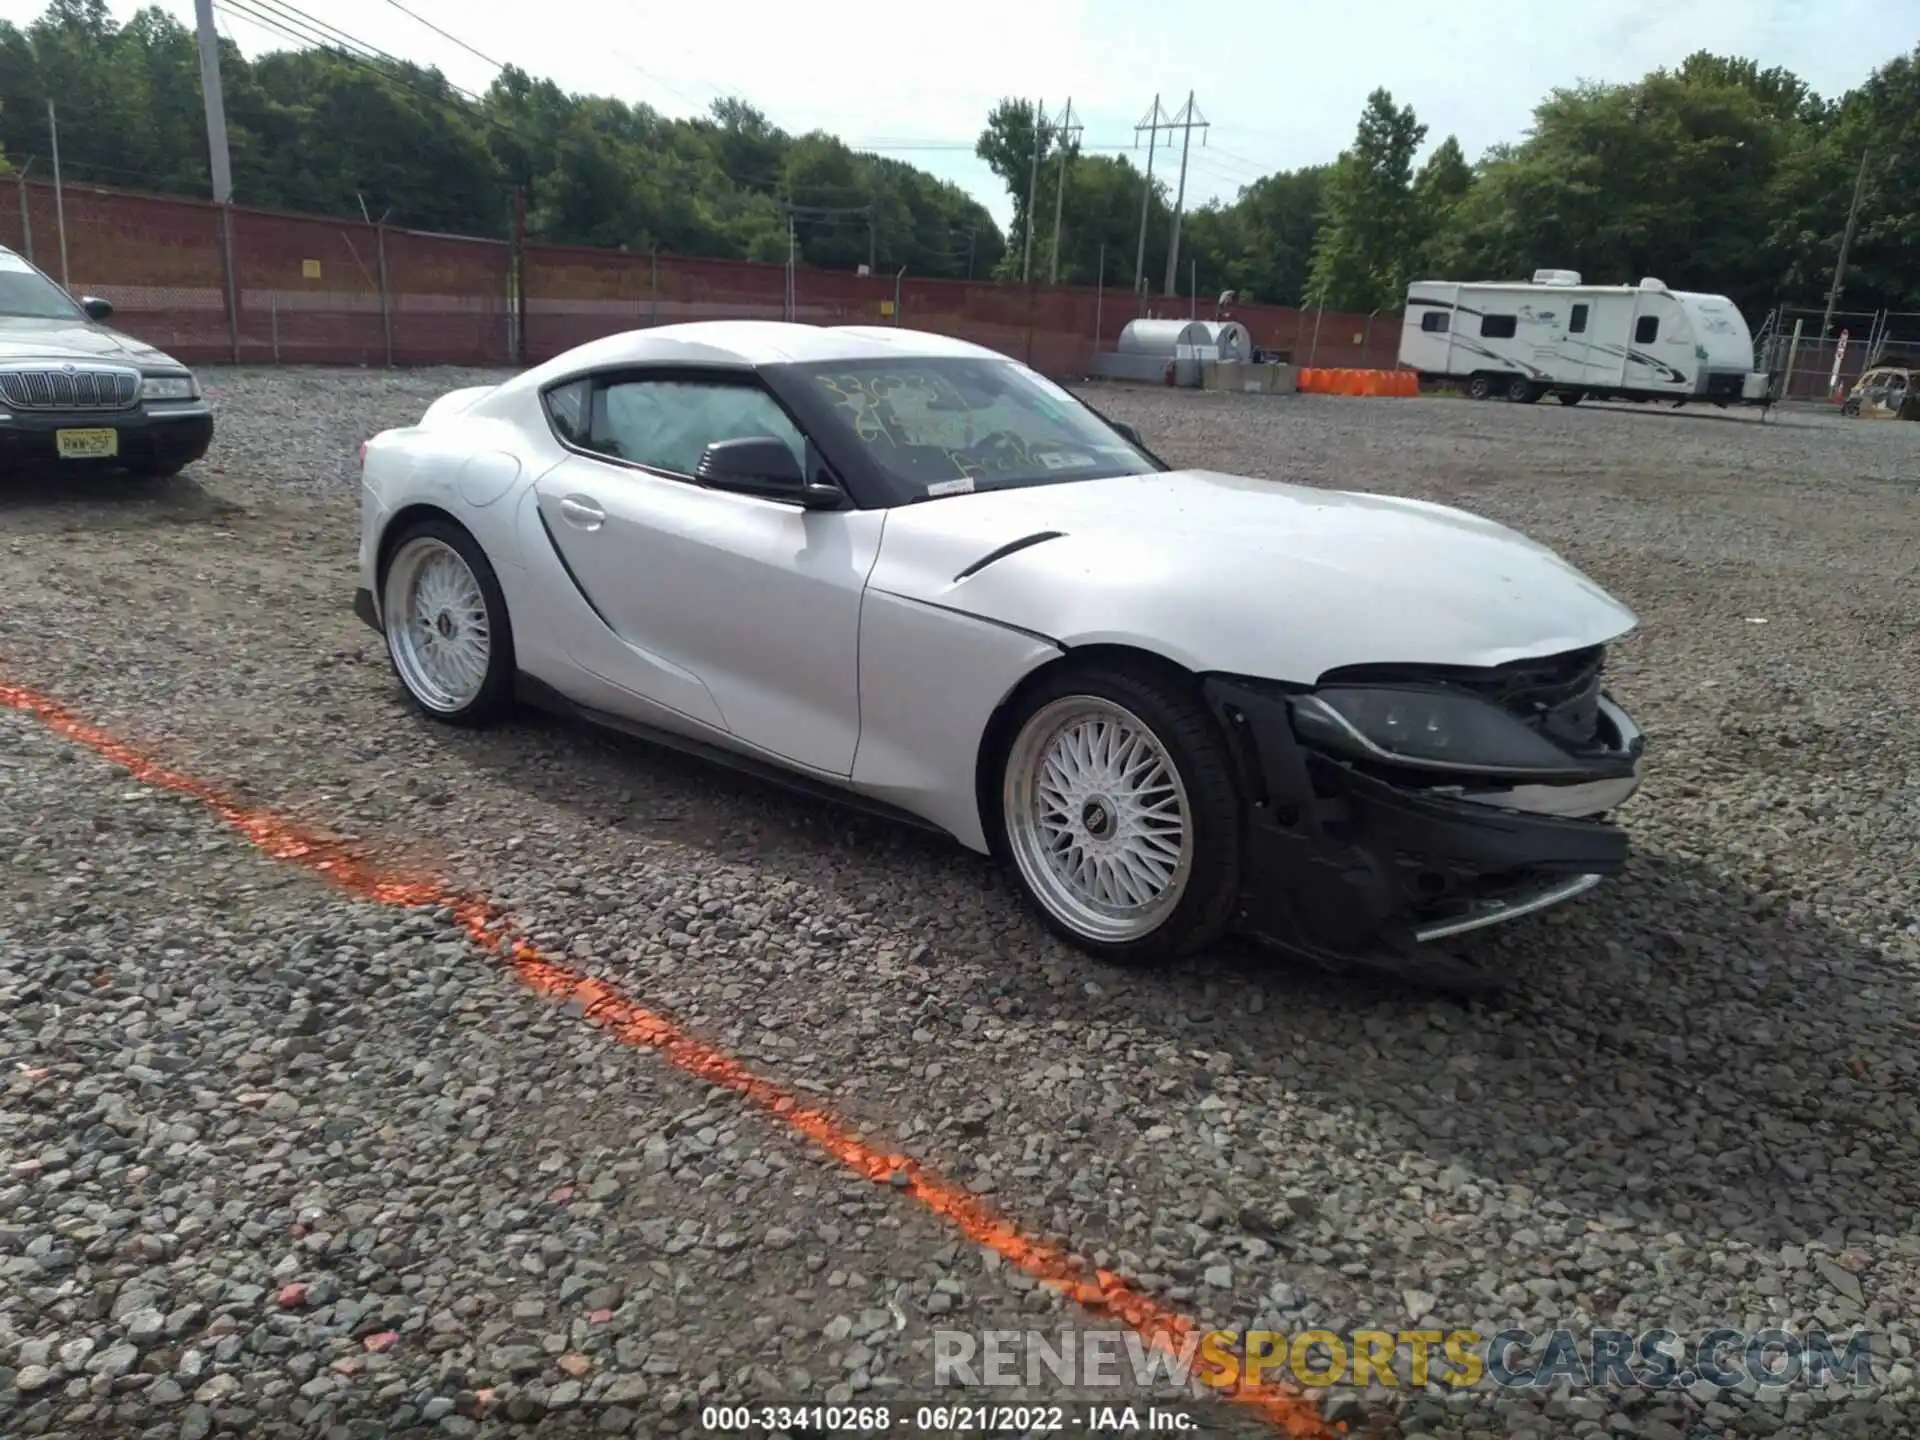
(1846, 244)
(1033, 184)
(59, 195)
(209, 39)
(971, 233)
(1070, 131)
(1184, 123)
(1153, 125)
(792, 297)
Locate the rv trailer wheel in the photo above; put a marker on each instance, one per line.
(1569, 397)
(1522, 391)
(1480, 387)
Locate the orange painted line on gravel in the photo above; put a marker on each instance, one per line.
(1100, 1291)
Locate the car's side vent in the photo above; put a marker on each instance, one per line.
(561, 556)
(1012, 547)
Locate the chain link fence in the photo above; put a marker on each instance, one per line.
(214, 284)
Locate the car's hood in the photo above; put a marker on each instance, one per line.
(1254, 577)
(26, 339)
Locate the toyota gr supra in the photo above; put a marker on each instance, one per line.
(919, 575)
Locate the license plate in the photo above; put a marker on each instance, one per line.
(87, 444)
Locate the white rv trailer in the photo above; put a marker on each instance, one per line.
(1605, 342)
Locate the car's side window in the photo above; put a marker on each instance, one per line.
(567, 408)
(666, 424)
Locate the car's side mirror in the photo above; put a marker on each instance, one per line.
(761, 465)
(96, 308)
(1129, 434)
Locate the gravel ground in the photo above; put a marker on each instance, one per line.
(275, 1160)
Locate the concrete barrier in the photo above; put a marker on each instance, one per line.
(1248, 378)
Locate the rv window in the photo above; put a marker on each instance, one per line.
(1646, 330)
(1578, 324)
(1497, 327)
(1434, 320)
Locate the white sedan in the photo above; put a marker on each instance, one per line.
(917, 575)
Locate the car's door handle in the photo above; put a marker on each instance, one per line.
(579, 511)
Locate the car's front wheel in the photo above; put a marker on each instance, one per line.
(1119, 814)
(446, 624)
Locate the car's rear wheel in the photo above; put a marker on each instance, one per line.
(1119, 815)
(446, 625)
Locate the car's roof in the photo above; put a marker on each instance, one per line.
(750, 343)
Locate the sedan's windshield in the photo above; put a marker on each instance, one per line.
(945, 425)
(25, 292)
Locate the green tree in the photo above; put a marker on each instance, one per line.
(1664, 177)
(327, 132)
(1101, 213)
(1261, 246)
(1367, 229)
(1443, 182)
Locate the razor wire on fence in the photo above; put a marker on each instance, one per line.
(229, 284)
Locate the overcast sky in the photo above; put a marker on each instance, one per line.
(1281, 84)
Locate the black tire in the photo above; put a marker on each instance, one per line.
(1191, 740)
(1569, 397)
(494, 697)
(1522, 391)
(1480, 387)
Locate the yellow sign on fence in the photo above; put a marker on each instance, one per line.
(309, 269)
(886, 307)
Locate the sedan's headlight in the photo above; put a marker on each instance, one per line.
(1430, 730)
(169, 387)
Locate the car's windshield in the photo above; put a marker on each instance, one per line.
(25, 292)
(948, 425)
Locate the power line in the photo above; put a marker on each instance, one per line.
(292, 23)
(243, 9)
(445, 35)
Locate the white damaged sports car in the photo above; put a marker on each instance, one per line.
(915, 574)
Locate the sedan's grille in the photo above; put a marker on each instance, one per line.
(69, 387)
(1560, 694)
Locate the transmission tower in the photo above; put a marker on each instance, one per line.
(1186, 122)
(1068, 133)
(1155, 122)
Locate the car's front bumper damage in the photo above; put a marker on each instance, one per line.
(1346, 866)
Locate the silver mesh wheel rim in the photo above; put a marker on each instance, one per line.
(1097, 819)
(436, 622)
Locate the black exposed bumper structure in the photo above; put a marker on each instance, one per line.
(151, 438)
(1346, 866)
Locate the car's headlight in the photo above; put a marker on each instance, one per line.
(169, 387)
(1430, 730)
